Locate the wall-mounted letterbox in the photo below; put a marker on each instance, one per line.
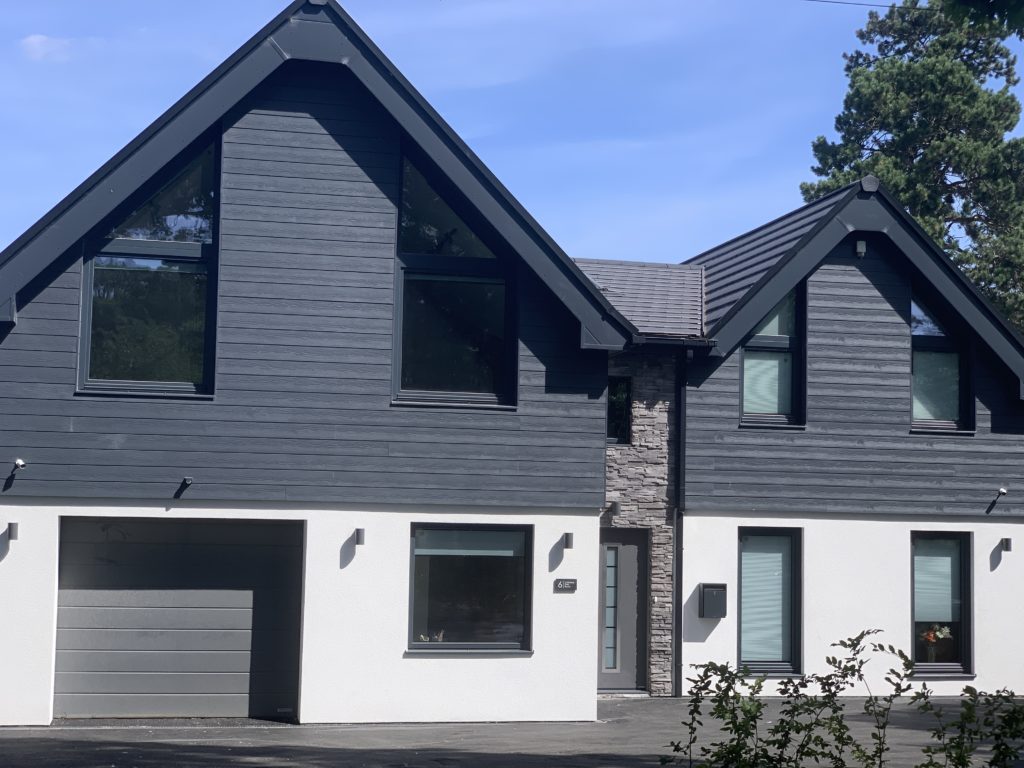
(711, 601)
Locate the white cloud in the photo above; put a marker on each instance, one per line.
(46, 48)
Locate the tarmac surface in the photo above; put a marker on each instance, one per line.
(631, 732)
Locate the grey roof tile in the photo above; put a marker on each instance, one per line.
(658, 299)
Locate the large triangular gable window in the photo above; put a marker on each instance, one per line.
(940, 378)
(147, 319)
(456, 341)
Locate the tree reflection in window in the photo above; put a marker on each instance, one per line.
(148, 320)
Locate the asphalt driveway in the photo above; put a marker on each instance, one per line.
(630, 733)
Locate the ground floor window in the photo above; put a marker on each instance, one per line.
(471, 587)
(942, 601)
(769, 635)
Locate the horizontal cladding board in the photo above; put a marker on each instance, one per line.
(240, 144)
(358, 132)
(143, 705)
(298, 170)
(284, 232)
(346, 107)
(573, 497)
(41, 311)
(152, 683)
(339, 338)
(281, 263)
(277, 200)
(289, 307)
(842, 487)
(298, 247)
(867, 464)
(386, 194)
(32, 342)
(153, 661)
(358, 150)
(846, 506)
(304, 216)
(351, 294)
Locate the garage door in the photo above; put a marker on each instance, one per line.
(178, 618)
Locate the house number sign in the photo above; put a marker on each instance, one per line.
(565, 585)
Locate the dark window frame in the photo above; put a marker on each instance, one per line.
(469, 269)
(612, 439)
(966, 638)
(796, 345)
(526, 646)
(949, 344)
(795, 665)
(95, 245)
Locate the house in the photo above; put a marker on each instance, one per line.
(307, 418)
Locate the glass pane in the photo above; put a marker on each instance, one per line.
(148, 320)
(936, 386)
(766, 611)
(767, 382)
(782, 320)
(922, 323)
(429, 225)
(453, 335)
(469, 586)
(182, 211)
(620, 406)
(611, 620)
(938, 621)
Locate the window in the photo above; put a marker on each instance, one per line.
(941, 397)
(620, 409)
(942, 610)
(773, 366)
(769, 638)
(471, 587)
(456, 341)
(148, 284)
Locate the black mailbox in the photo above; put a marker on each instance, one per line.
(711, 601)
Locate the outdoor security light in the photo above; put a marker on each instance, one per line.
(12, 531)
(360, 536)
(566, 541)
(1006, 544)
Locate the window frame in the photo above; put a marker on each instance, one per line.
(468, 269)
(796, 346)
(948, 344)
(611, 440)
(795, 665)
(526, 646)
(965, 540)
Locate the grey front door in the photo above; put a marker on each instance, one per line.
(622, 622)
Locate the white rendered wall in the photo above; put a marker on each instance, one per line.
(857, 575)
(355, 666)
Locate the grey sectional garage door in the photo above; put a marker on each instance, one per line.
(178, 618)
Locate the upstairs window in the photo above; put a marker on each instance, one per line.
(148, 304)
(456, 341)
(941, 399)
(773, 366)
(620, 410)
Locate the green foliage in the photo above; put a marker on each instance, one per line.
(810, 728)
(927, 111)
(1008, 13)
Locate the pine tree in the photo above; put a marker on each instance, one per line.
(928, 110)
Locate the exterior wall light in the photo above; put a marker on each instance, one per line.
(566, 541)
(12, 532)
(1006, 544)
(360, 536)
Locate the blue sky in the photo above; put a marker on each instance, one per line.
(652, 129)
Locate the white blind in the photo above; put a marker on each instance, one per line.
(767, 382)
(936, 580)
(936, 385)
(470, 542)
(766, 598)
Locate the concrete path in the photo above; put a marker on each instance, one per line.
(629, 734)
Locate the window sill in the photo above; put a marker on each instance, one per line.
(401, 402)
(922, 430)
(922, 673)
(613, 443)
(136, 394)
(460, 652)
(773, 425)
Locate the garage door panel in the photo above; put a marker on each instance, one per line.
(154, 640)
(155, 661)
(182, 618)
(150, 705)
(162, 598)
(155, 618)
(153, 682)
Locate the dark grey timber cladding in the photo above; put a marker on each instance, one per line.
(857, 454)
(302, 406)
(178, 618)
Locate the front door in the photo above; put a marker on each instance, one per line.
(622, 623)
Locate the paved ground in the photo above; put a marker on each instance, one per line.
(630, 733)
